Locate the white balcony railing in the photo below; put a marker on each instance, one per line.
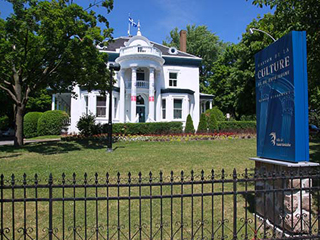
(140, 50)
(140, 84)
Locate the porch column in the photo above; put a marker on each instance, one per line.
(122, 98)
(210, 104)
(151, 94)
(53, 103)
(158, 96)
(133, 93)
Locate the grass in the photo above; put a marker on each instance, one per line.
(45, 137)
(70, 157)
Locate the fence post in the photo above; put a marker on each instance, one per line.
(234, 204)
(50, 230)
(2, 184)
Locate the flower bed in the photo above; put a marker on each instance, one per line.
(162, 138)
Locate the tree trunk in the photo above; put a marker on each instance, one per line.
(18, 125)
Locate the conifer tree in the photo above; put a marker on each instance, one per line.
(189, 125)
(212, 123)
(202, 128)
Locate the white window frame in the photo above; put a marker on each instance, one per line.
(181, 99)
(171, 79)
(86, 104)
(105, 107)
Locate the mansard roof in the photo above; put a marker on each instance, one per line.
(115, 45)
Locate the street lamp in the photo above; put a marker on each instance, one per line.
(112, 67)
(251, 30)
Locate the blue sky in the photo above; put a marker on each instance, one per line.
(226, 18)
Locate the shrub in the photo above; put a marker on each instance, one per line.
(212, 123)
(145, 128)
(4, 122)
(30, 124)
(314, 117)
(202, 127)
(217, 113)
(237, 126)
(189, 125)
(248, 118)
(52, 122)
(87, 125)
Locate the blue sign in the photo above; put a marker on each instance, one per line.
(282, 99)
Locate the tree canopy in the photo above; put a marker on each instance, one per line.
(51, 43)
(233, 81)
(301, 16)
(201, 43)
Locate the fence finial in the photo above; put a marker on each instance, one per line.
(50, 181)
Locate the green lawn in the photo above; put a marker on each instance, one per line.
(69, 157)
(45, 137)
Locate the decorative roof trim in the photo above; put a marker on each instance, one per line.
(206, 96)
(177, 90)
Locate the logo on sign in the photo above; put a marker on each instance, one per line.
(273, 138)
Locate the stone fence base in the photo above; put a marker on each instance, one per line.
(283, 196)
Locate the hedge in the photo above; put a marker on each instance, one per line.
(145, 128)
(30, 124)
(237, 126)
(52, 122)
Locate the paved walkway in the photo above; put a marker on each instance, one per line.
(10, 142)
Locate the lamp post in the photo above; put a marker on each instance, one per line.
(251, 30)
(112, 67)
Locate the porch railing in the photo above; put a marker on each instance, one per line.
(139, 84)
(140, 50)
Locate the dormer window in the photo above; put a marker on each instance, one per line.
(173, 51)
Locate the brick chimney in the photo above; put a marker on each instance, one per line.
(183, 40)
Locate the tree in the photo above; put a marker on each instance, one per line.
(201, 43)
(39, 101)
(212, 123)
(301, 16)
(51, 43)
(189, 125)
(202, 127)
(232, 81)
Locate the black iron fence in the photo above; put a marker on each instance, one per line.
(252, 205)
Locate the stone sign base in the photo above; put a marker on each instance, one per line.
(283, 197)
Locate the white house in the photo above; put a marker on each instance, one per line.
(155, 84)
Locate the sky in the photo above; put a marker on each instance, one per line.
(226, 18)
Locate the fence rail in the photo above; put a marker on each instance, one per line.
(252, 205)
